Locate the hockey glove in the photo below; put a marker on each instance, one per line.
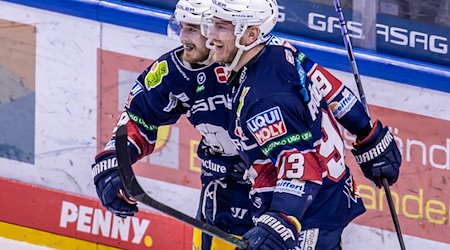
(109, 186)
(273, 231)
(216, 167)
(378, 155)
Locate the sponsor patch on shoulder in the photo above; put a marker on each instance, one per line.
(156, 74)
(267, 125)
(289, 57)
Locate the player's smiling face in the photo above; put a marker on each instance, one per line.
(195, 50)
(223, 38)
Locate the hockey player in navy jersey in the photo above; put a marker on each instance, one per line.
(184, 81)
(284, 113)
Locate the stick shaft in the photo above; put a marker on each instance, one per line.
(133, 188)
(351, 57)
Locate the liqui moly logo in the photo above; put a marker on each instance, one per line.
(267, 125)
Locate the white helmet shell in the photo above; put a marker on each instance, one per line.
(190, 11)
(246, 13)
(242, 14)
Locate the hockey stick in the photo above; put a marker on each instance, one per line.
(133, 189)
(351, 57)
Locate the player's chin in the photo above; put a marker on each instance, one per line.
(192, 57)
(219, 58)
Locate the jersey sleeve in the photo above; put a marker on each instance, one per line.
(345, 106)
(155, 99)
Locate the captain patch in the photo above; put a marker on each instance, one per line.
(267, 125)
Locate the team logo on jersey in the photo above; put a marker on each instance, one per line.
(342, 107)
(267, 125)
(136, 89)
(201, 78)
(289, 57)
(221, 74)
(156, 74)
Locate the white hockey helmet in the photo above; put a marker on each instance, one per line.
(243, 14)
(190, 11)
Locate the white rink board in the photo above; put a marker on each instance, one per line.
(66, 106)
(19, 245)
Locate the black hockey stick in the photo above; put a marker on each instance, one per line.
(135, 190)
(351, 57)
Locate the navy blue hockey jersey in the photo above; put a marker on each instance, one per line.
(284, 111)
(168, 89)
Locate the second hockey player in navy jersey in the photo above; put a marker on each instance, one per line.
(284, 113)
(184, 81)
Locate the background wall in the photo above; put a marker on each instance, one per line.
(65, 70)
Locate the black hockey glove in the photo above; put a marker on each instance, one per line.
(109, 186)
(273, 231)
(378, 155)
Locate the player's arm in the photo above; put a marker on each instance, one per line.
(375, 149)
(347, 109)
(147, 107)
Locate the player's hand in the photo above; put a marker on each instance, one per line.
(273, 231)
(378, 155)
(109, 186)
(215, 167)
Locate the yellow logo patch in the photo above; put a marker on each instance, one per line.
(156, 74)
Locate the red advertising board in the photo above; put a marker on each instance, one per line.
(421, 195)
(84, 218)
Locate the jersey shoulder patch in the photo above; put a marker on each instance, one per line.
(156, 74)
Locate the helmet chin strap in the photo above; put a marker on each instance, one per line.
(210, 58)
(237, 58)
(241, 49)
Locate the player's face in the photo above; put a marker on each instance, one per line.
(223, 38)
(194, 43)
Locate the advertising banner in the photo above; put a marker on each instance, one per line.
(394, 35)
(61, 213)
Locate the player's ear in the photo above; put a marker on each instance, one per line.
(251, 34)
